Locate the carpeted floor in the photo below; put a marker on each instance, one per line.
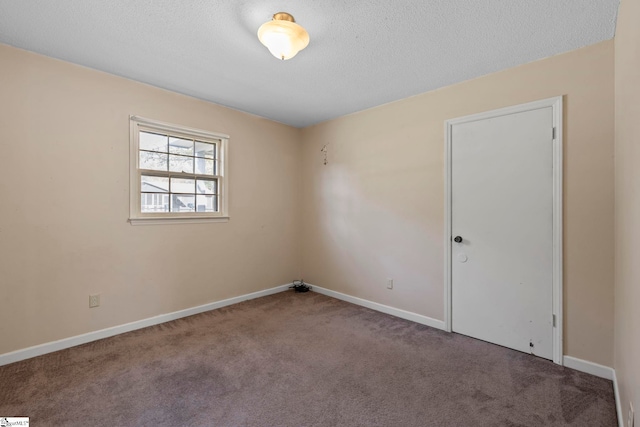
(299, 360)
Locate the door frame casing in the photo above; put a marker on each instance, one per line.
(557, 286)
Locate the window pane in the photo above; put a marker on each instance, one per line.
(154, 184)
(207, 203)
(154, 202)
(205, 186)
(181, 146)
(204, 149)
(183, 203)
(180, 164)
(153, 142)
(153, 161)
(182, 185)
(205, 166)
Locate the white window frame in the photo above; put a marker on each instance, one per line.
(136, 216)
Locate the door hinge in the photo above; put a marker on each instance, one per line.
(553, 133)
(554, 320)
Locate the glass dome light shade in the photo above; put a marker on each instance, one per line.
(284, 38)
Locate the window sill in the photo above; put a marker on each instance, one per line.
(177, 220)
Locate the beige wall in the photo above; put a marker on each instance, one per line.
(376, 210)
(64, 181)
(627, 219)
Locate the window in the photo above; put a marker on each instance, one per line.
(177, 174)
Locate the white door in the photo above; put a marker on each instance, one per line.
(502, 209)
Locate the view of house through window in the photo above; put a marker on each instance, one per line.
(177, 172)
(167, 193)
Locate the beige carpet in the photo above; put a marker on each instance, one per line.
(299, 360)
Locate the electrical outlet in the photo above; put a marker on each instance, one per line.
(389, 283)
(94, 300)
(631, 414)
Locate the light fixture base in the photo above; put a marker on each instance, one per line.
(283, 16)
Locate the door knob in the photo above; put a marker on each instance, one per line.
(457, 239)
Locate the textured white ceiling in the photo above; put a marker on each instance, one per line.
(362, 53)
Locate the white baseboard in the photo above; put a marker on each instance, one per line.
(589, 367)
(418, 318)
(50, 347)
(601, 371)
(616, 392)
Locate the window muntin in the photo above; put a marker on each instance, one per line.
(179, 172)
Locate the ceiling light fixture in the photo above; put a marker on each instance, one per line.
(282, 36)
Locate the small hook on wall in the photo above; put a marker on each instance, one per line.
(324, 150)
